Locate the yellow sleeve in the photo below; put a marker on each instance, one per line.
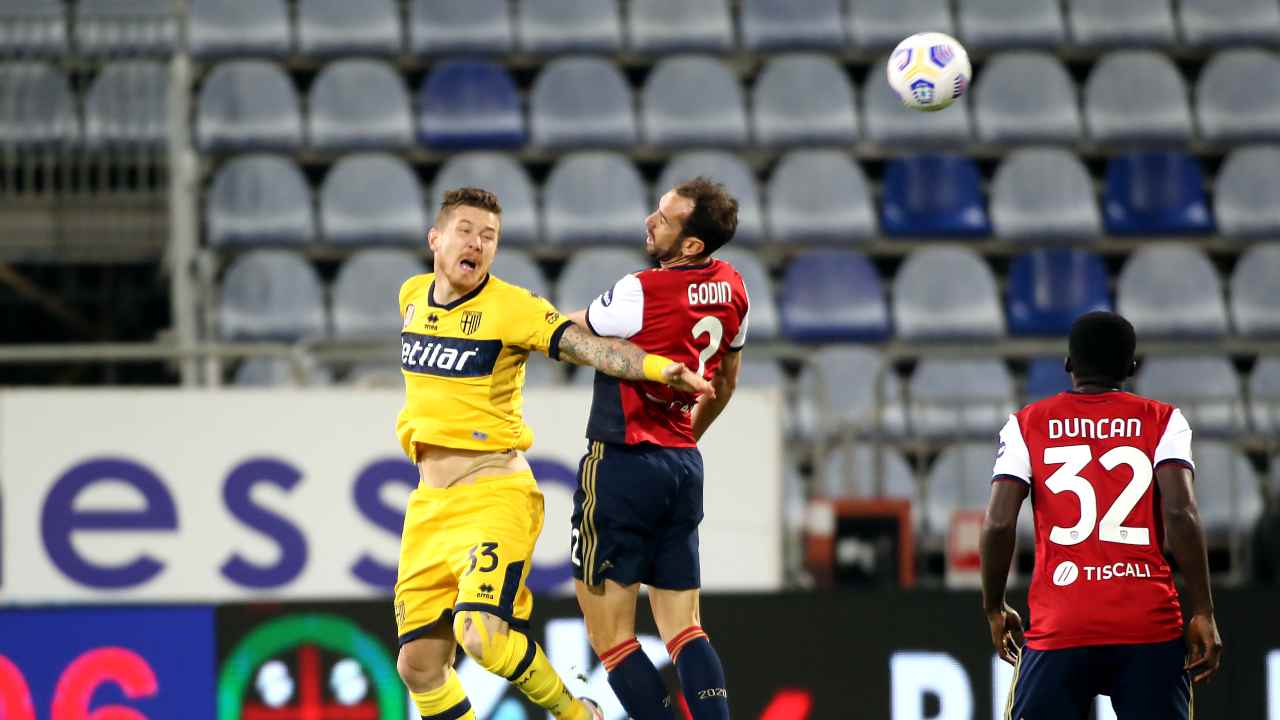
(533, 323)
(408, 288)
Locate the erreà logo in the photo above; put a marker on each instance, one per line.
(448, 356)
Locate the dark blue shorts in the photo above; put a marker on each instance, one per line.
(1145, 682)
(635, 516)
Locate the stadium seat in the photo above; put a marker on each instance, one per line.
(1238, 96)
(1168, 289)
(223, 28)
(1136, 95)
(1227, 22)
(33, 28)
(819, 196)
(376, 376)
(465, 104)
(1155, 193)
(887, 121)
(592, 271)
(282, 372)
(580, 102)
(693, 100)
(113, 28)
(946, 292)
(1009, 23)
(1046, 376)
(341, 27)
(761, 373)
(1247, 192)
(1255, 302)
(554, 26)
(459, 28)
(1105, 23)
(779, 24)
(372, 198)
(833, 296)
(128, 106)
(661, 26)
(803, 99)
(1264, 397)
(541, 371)
(763, 321)
(594, 197)
(517, 268)
(959, 397)
(882, 24)
(1044, 194)
(364, 305)
(840, 388)
(1205, 388)
(1049, 288)
(1026, 96)
(271, 295)
(246, 104)
(866, 470)
(1229, 492)
(46, 116)
(502, 175)
(259, 199)
(933, 195)
(359, 104)
(723, 167)
(959, 479)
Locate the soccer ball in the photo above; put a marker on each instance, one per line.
(929, 71)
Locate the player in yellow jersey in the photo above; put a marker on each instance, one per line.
(472, 522)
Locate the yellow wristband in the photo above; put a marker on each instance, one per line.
(653, 367)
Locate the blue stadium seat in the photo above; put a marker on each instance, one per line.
(113, 28)
(1205, 387)
(341, 27)
(591, 271)
(1238, 96)
(1168, 289)
(1255, 304)
(271, 295)
(222, 28)
(502, 175)
(763, 320)
(833, 296)
(777, 24)
(1044, 194)
(1247, 192)
(554, 26)
(819, 196)
(661, 26)
(46, 116)
(247, 104)
(803, 99)
(128, 106)
(946, 292)
(259, 199)
(517, 268)
(33, 28)
(959, 397)
(364, 307)
(372, 198)
(1046, 376)
(1264, 398)
(839, 388)
(933, 195)
(1009, 23)
(882, 24)
(1026, 96)
(471, 27)
(358, 104)
(1136, 95)
(464, 104)
(594, 197)
(693, 100)
(1229, 22)
(580, 102)
(724, 167)
(1105, 23)
(1155, 193)
(887, 121)
(1049, 288)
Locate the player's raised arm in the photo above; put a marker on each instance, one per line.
(623, 359)
(1185, 538)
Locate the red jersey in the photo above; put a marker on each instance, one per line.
(692, 314)
(1100, 577)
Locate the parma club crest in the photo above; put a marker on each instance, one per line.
(470, 322)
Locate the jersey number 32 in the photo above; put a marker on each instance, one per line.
(1073, 459)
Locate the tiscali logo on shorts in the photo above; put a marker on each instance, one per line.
(1066, 573)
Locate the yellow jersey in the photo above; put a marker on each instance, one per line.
(463, 364)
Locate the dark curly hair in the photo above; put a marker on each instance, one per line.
(715, 212)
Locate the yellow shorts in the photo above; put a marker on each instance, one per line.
(467, 547)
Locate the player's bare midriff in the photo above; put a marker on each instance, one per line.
(442, 467)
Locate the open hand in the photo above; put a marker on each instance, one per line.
(1006, 633)
(682, 378)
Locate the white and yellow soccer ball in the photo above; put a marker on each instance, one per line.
(929, 71)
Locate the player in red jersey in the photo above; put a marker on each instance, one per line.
(1105, 616)
(639, 497)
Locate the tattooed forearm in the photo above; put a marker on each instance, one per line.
(612, 356)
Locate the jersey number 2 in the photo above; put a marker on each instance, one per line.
(708, 325)
(1066, 478)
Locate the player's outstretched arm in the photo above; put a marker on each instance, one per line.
(725, 382)
(1185, 539)
(999, 534)
(623, 359)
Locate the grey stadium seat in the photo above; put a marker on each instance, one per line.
(128, 106)
(38, 109)
(541, 371)
(594, 197)
(865, 470)
(372, 198)
(946, 292)
(1136, 95)
(1224, 22)
(33, 28)
(724, 167)
(655, 26)
(1238, 96)
(548, 26)
(841, 387)
(517, 268)
(1098, 23)
(364, 302)
(888, 122)
(776, 24)
(592, 271)
(474, 26)
(1026, 96)
(763, 318)
(693, 100)
(359, 104)
(500, 174)
(1009, 23)
(106, 28)
(1167, 289)
(761, 373)
(960, 479)
(259, 199)
(882, 24)
(1044, 193)
(221, 28)
(1247, 192)
(1255, 302)
(1264, 397)
(819, 196)
(959, 397)
(1205, 388)
(271, 295)
(1228, 490)
(803, 99)
(341, 27)
(582, 102)
(248, 104)
(281, 372)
